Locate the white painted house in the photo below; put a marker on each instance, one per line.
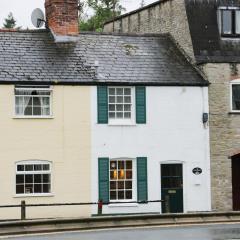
(150, 136)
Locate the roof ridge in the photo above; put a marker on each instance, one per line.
(22, 30)
(159, 35)
(126, 34)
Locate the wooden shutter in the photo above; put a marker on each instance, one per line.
(103, 179)
(140, 104)
(142, 188)
(102, 98)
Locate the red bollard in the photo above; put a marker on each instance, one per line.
(100, 206)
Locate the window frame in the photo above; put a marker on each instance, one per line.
(31, 88)
(123, 121)
(233, 33)
(134, 179)
(234, 82)
(34, 162)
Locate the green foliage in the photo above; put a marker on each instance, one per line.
(104, 10)
(9, 22)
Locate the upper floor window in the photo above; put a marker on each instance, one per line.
(123, 105)
(32, 101)
(230, 22)
(33, 177)
(235, 96)
(120, 103)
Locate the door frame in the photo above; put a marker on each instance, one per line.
(183, 175)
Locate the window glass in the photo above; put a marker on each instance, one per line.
(121, 180)
(32, 101)
(237, 20)
(33, 178)
(226, 21)
(236, 97)
(120, 103)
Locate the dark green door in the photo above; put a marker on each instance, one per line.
(172, 188)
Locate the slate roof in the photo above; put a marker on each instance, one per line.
(207, 44)
(33, 57)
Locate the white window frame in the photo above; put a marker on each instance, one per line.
(134, 179)
(234, 82)
(31, 88)
(32, 162)
(130, 121)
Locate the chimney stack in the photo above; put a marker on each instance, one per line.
(62, 17)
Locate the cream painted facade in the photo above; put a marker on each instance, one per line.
(64, 140)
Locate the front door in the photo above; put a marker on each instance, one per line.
(236, 182)
(172, 188)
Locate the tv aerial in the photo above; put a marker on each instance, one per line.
(37, 18)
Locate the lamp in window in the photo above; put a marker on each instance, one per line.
(113, 165)
(115, 174)
(121, 174)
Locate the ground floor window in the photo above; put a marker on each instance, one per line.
(121, 179)
(33, 177)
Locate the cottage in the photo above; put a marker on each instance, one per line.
(147, 128)
(84, 117)
(207, 33)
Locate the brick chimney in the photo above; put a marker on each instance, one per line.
(62, 17)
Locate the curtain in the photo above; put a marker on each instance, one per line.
(44, 106)
(19, 106)
(237, 20)
(227, 21)
(22, 104)
(27, 107)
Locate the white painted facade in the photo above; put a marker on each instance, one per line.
(174, 133)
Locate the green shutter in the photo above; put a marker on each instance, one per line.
(142, 188)
(140, 104)
(103, 179)
(102, 95)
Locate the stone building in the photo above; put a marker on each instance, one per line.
(208, 33)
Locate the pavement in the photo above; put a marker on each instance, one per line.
(116, 222)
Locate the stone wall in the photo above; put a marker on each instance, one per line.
(161, 17)
(224, 132)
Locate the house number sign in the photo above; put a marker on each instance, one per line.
(197, 171)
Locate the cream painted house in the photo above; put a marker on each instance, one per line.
(46, 158)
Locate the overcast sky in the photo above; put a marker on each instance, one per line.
(22, 9)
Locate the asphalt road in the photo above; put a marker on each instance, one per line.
(214, 232)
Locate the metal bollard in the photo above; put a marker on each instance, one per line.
(100, 206)
(167, 204)
(23, 210)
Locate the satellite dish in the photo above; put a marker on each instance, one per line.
(37, 18)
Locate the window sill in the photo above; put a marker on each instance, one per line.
(33, 117)
(123, 205)
(230, 36)
(121, 124)
(33, 195)
(233, 112)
